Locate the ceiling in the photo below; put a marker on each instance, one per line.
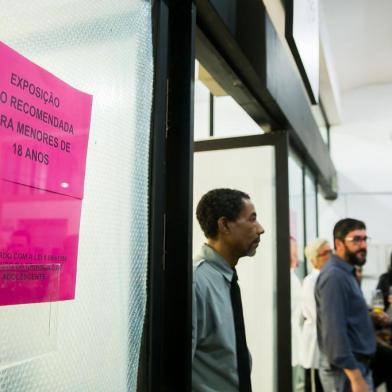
(360, 34)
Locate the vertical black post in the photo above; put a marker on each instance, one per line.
(283, 322)
(151, 380)
(329, 138)
(179, 193)
(211, 111)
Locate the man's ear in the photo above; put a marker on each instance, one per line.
(223, 225)
(338, 243)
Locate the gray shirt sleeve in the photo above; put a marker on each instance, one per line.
(194, 321)
(199, 321)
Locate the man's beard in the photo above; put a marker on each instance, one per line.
(251, 251)
(253, 247)
(353, 259)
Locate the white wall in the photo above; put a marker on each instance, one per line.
(361, 150)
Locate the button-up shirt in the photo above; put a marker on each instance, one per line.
(214, 367)
(310, 354)
(344, 327)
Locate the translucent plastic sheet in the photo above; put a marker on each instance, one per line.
(104, 49)
(35, 338)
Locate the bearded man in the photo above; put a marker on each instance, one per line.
(344, 328)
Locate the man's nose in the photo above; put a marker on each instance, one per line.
(260, 229)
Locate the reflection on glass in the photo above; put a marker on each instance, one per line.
(297, 265)
(38, 244)
(320, 120)
(235, 168)
(231, 120)
(105, 49)
(202, 111)
(311, 210)
(228, 117)
(296, 209)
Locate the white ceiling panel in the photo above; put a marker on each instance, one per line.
(360, 33)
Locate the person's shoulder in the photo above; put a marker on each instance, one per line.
(310, 279)
(204, 273)
(384, 276)
(207, 282)
(331, 268)
(331, 271)
(332, 275)
(313, 275)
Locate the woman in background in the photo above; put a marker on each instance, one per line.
(318, 253)
(381, 363)
(384, 284)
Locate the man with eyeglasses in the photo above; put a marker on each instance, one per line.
(344, 328)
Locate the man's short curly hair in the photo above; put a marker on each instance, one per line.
(217, 203)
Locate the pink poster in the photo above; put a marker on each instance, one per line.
(44, 127)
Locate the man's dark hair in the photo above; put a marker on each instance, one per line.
(219, 203)
(344, 226)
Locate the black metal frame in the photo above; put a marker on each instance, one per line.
(289, 7)
(166, 355)
(211, 115)
(261, 77)
(152, 357)
(179, 192)
(283, 321)
(168, 327)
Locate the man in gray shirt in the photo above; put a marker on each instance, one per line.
(345, 332)
(220, 355)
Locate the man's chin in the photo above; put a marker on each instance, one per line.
(358, 260)
(252, 252)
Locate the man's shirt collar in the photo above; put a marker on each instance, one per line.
(340, 263)
(216, 261)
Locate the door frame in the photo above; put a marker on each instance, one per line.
(280, 141)
(166, 358)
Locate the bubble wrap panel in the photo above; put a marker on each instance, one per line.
(103, 48)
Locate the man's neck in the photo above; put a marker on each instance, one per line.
(342, 255)
(223, 251)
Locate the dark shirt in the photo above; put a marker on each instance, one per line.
(344, 327)
(384, 283)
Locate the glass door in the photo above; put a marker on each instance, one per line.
(256, 165)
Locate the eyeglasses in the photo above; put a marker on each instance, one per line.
(325, 253)
(357, 239)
